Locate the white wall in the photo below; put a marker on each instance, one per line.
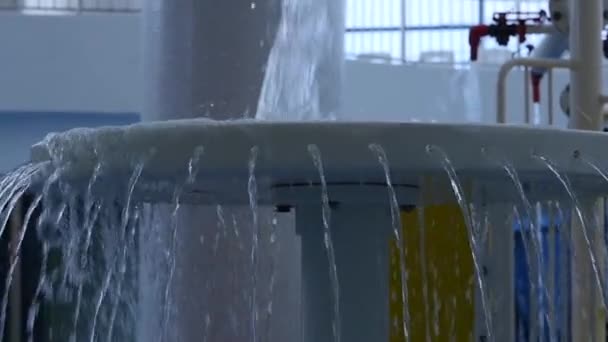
(61, 72)
(90, 63)
(73, 63)
(426, 92)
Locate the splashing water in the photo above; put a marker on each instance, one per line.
(459, 193)
(294, 87)
(327, 240)
(397, 232)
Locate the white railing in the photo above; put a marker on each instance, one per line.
(527, 63)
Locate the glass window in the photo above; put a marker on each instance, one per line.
(373, 13)
(454, 41)
(385, 43)
(441, 12)
(430, 26)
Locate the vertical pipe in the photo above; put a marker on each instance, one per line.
(585, 113)
(362, 265)
(586, 53)
(550, 97)
(526, 95)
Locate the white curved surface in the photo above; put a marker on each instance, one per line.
(284, 161)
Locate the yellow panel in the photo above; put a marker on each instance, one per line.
(440, 277)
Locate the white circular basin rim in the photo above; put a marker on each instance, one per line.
(281, 151)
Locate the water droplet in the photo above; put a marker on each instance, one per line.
(253, 5)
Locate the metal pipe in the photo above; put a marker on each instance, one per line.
(541, 29)
(586, 24)
(586, 51)
(508, 66)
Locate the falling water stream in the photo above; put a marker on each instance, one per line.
(397, 232)
(95, 231)
(327, 240)
(92, 210)
(252, 190)
(565, 182)
(123, 231)
(193, 167)
(442, 157)
(534, 229)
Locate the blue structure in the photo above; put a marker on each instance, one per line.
(525, 294)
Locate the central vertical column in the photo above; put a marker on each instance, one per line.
(360, 237)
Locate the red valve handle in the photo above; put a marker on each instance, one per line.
(535, 79)
(475, 35)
